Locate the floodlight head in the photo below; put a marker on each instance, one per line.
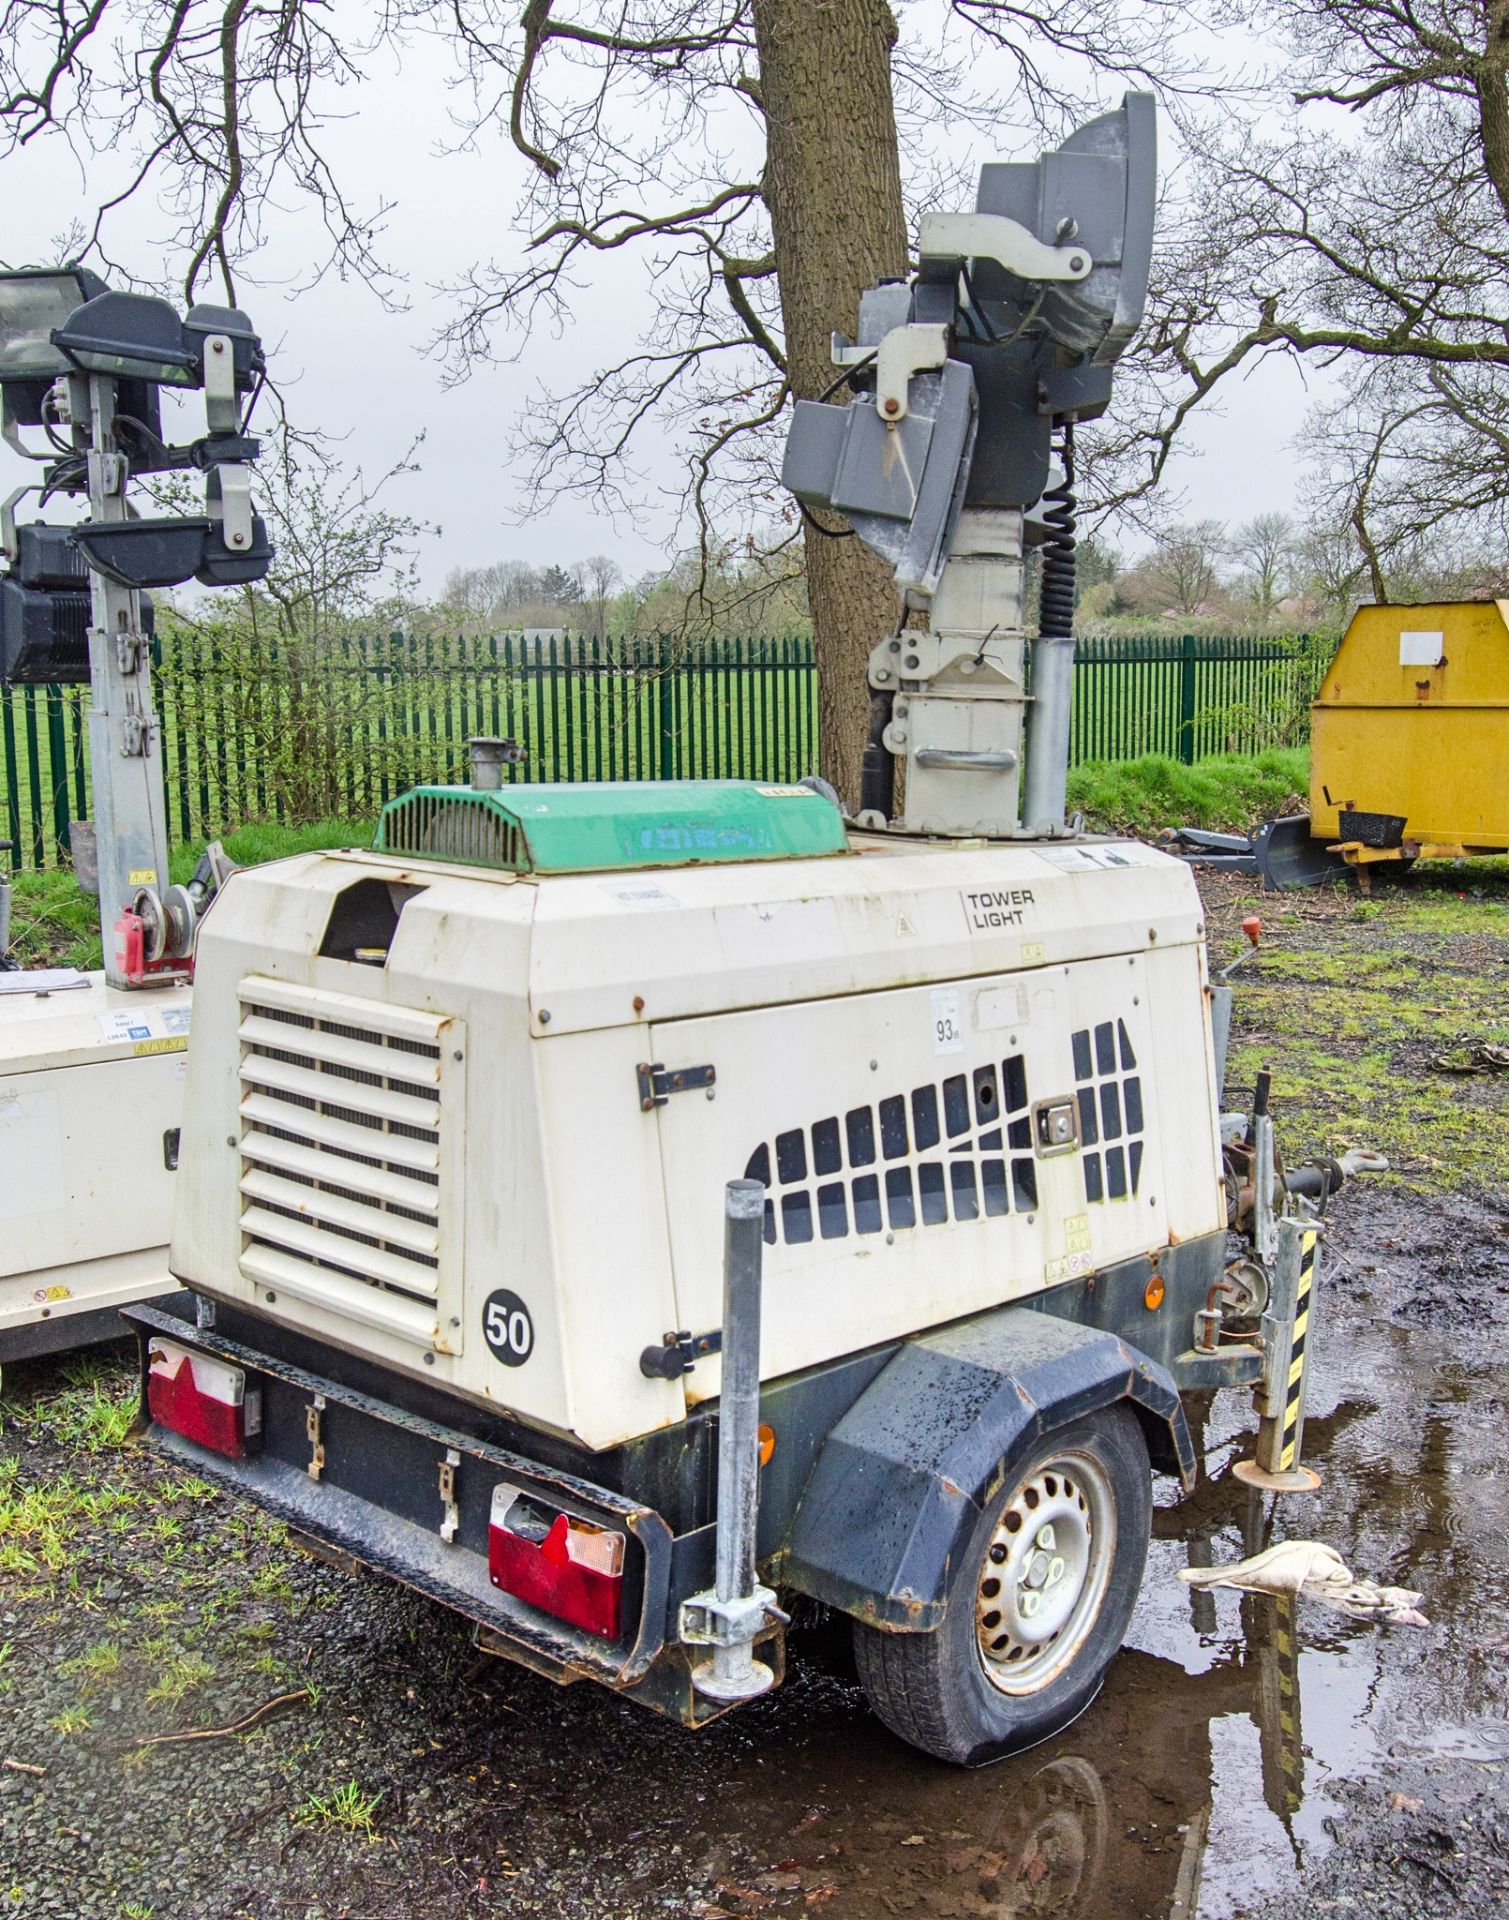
(203, 322)
(34, 301)
(1018, 312)
(129, 336)
(1089, 208)
(44, 610)
(160, 552)
(173, 549)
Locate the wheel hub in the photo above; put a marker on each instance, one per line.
(1044, 1573)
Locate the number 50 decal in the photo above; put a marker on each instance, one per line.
(507, 1327)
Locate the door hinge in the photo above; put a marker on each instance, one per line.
(657, 1083)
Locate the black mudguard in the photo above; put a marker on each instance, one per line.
(902, 1477)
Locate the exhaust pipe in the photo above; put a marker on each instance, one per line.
(488, 756)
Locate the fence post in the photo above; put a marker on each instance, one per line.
(667, 691)
(57, 767)
(1187, 701)
(8, 700)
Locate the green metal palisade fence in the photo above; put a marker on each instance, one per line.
(379, 713)
(1188, 695)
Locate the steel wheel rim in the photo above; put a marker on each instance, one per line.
(1044, 1573)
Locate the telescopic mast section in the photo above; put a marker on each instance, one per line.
(131, 834)
(942, 463)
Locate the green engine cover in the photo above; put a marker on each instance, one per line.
(597, 826)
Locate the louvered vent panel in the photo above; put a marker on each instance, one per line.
(463, 827)
(343, 1145)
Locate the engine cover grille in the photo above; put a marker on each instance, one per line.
(344, 1157)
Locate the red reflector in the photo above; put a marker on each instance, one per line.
(563, 1566)
(202, 1399)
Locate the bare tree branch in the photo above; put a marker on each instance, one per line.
(1378, 253)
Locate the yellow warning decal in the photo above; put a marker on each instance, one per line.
(1077, 1233)
(143, 876)
(174, 1044)
(1032, 953)
(784, 793)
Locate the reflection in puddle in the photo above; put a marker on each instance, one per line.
(1046, 1854)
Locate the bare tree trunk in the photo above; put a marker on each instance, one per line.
(833, 188)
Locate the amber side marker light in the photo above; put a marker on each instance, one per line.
(1152, 1293)
(767, 1444)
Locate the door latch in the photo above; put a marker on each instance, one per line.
(1057, 1126)
(678, 1353)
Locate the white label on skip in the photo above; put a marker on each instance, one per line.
(1421, 649)
(948, 1021)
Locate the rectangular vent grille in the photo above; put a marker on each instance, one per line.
(343, 1111)
(462, 827)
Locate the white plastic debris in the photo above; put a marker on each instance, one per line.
(1319, 1573)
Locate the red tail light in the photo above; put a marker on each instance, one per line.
(553, 1561)
(202, 1399)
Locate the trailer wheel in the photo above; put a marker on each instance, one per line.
(1037, 1606)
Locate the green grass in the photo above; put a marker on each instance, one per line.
(98, 1663)
(53, 924)
(1352, 1004)
(182, 1674)
(91, 1411)
(1227, 792)
(347, 1807)
(37, 1521)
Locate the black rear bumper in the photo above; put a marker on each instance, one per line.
(378, 1498)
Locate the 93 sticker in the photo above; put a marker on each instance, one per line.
(947, 1021)
(507, 1327)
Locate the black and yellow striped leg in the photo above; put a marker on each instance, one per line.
(1280, 1738)
(1280, 1398)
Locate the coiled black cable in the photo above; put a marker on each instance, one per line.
(1055, 605)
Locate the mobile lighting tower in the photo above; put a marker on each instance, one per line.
(615, 1209)
(91, 1065)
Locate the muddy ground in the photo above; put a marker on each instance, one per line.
(1242, 1760)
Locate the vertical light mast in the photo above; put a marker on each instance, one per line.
(89, 374)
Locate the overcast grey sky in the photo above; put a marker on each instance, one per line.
(363, 375)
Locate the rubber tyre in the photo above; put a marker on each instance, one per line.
(933, 1689)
